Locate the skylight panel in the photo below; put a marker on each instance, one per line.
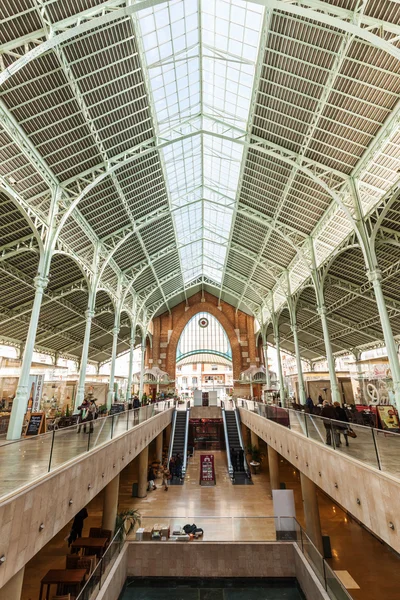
(201, 59)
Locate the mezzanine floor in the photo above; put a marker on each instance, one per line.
(371, 564)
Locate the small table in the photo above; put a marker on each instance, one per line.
(71, 577)
(90, 543)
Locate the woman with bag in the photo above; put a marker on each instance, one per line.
(341, 416)
(166, 475)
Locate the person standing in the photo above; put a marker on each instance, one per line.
(166, 475)
(328, 412)
(91, 415)
(341, 416)
(310, 404)
(83, 409)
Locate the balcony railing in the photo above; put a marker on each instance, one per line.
(375, 447)
(26, 460)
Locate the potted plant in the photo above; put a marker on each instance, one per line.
(126, 521)
(256, 458)
(144, 399)
(102, 409)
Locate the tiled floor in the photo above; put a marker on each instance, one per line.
(371, 564)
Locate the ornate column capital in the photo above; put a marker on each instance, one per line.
(374, 275)
(294, 328)
(115, 330)
(41, 282)
(89, 314)
(321, 310)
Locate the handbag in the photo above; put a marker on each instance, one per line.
(351, 433)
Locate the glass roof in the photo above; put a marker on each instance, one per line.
(201, 57)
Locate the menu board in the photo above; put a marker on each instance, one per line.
(36, 424)
(207, 470)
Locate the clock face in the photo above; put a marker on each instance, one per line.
(203, 322)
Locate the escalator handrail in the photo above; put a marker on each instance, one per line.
(171, 441)
(237, 418)
(186, 441)
(228, 453)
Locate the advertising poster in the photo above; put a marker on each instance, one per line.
(35, 392)
(207, 471)
(388, 418)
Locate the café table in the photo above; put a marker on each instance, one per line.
(73, 578)
(90, 545)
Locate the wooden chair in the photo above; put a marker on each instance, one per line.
(98, 532)
(71, 561)
(86, 563)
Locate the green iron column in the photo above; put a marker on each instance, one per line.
(141, 379)
(20, 402)
(302, 391)
(329, 355)
(130, 372)
(279, 361)
(89, 314)
(115, 331)
(375, 277)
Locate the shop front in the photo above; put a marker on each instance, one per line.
(206, 434)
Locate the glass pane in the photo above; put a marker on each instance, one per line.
(334, 587)
(361, 447)
(388, 445)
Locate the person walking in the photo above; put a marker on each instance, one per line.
(91, 415)
(83, 410)
(310, 404)
(166, 475)
(328, 412)
(341, 415)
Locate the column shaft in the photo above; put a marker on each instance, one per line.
(141, 380)
(280, 372)
(329, 356)
(375, 277)
(13, 588)
(143, 468)
(267, 375)
(311, 511)
(168, 432)
(159, 446)
(273, 466)
(21, 398)
(254, 439)
(110, 397)
(84, 358)
(302, 392)
(110, 504)
(130, 373)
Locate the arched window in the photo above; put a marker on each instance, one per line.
(204, 334)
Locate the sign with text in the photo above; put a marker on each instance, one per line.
(36, 389)
(388, 417)
(36, 424)
(207, 470)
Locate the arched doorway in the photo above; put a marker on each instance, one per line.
(204, 358)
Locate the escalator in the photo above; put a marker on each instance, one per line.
(233, 439)
(179, 437)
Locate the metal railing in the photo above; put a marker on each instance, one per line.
(375, 447)
(25, 460)
(228, 454)
(96, 580)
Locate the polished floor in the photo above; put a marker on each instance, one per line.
(370, 563)
(25, 460)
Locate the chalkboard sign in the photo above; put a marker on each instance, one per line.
(36, 424)
(116, 408)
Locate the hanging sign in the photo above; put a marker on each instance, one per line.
(207, 470)
(36, 383)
